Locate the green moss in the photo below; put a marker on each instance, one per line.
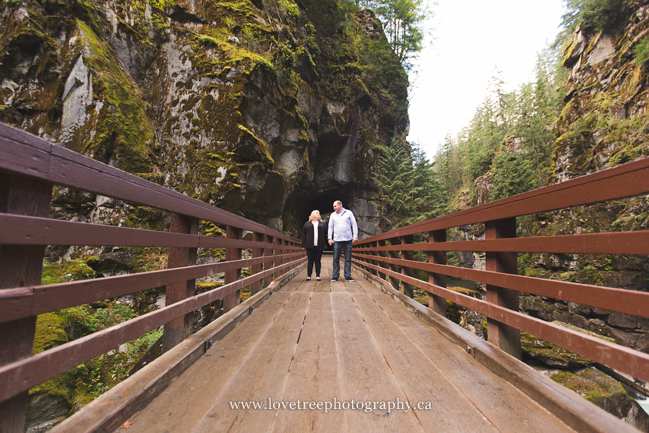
(209, 41)
(148, 258)
(82, 384)
(59, 389)
(468, 292)
(208, 228)
(550, 353)
(595, 387)
(50, 332)
(124, 130)
(66, 270)
(371, 139)
(262, 147)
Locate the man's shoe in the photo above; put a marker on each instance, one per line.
(350, 280)
(334, 279)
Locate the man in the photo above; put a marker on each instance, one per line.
(342, 232)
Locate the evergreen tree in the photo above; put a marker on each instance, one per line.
(409, 191)
(501, 100)
(595, 15)
(513, 174)
(525, 116)
(403, 25)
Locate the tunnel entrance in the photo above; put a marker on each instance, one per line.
(304, 205)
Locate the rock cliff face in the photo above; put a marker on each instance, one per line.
(604, 121)
(603, 124)
(265, 108)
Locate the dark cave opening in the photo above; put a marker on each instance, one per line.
(305, 204)
(324, 203)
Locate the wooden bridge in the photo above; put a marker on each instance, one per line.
(312, 356)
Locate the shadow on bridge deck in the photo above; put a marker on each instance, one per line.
(334, 342)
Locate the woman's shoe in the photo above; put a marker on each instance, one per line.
(318, 279)
(308, 278)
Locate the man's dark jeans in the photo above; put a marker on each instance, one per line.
(338, 248)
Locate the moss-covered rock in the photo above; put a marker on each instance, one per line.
(550, 354)
(50, 332)
(606, 393)
(214, 97)
(603, 122)
(66, 270)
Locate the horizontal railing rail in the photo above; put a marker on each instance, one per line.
(29, 169)
(390, 256)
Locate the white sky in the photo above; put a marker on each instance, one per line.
(473, 38)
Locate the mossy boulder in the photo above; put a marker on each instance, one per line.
(66, 270)
(550, 354)
(606, 393)
(50, 332)
(49, 403)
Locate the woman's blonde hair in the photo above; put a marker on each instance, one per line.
(312, 216)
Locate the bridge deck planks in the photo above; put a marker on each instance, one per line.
(262, 375)
(508, 409)
(419, 377)
(315, 373)
(366, 375)
(320, 340)
(188, 399)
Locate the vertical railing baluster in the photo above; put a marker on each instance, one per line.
(394, 268)
(284, 245)
(20, 266)
(255, 269)
(503, 336)
(268, 252)
(232, 300)
(374, 262)
(180, 328)
(407, 255)
(367, 253)
(437, 303)
(381, 243)
(278, 260)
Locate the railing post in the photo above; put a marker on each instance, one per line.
(20, 266)
(232, 300)
(366, 253)
(284, 245)
(180, 328)
(407, 255)
(505, 337)
(374, 262)
(436, 303)
(278, 261)
(394, 268)
(382, 254)
(268, 252)
(256, 252)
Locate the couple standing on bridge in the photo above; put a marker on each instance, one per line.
(341, 233)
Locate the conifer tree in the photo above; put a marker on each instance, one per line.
(409, 191)
(403, 25)
(525, 116)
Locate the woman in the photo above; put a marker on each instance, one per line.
(314, 237)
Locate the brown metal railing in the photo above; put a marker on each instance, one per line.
(29, 167)
(391, 255)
